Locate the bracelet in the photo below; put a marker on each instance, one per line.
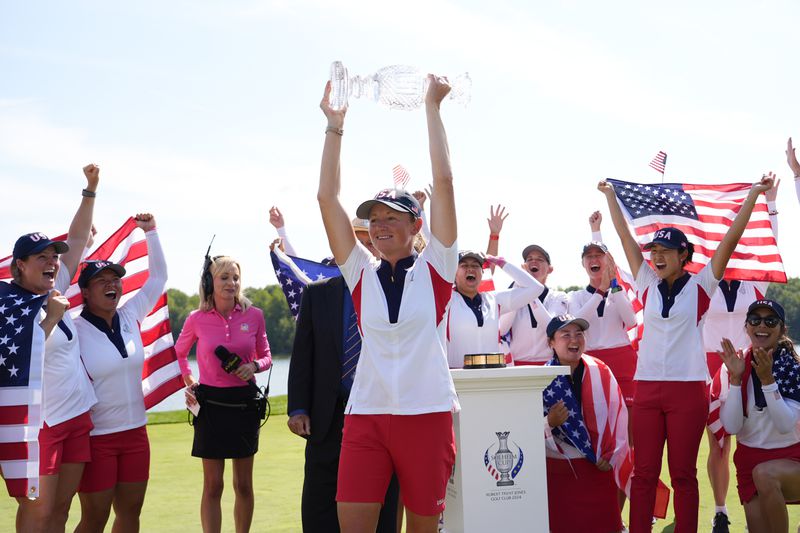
(86, 193)
(337, 131)
(494, 237)
(772, 213)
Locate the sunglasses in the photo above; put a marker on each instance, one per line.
(769, 321)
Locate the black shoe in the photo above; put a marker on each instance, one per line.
(720, 523)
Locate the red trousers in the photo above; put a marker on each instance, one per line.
(674, 412)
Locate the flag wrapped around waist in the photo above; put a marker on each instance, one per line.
(704, 213)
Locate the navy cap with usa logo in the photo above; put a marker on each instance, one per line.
(397, 199)
(92, 268)
(33, 243)
(670, 238)
(769, 304)
(562, 321)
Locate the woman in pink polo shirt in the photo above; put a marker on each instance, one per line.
(671, 403)
(399, 414)
(228, 423)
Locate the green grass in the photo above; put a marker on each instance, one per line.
(173, 495)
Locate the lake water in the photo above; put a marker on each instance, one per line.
(277, 384)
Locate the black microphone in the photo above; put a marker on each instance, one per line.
(230, 362)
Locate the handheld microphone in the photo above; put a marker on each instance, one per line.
(230, 362)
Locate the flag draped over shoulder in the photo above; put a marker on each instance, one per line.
(598, 427)
(21, 368)
(704, 213)
(294, 274)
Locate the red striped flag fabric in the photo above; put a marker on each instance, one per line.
(659, 162)
(400, 176)
(719, 392)
(704, 213)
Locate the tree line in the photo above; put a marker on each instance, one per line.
(280, 324)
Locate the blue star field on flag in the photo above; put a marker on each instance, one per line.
(573, 430)
(19, 310)
(648, 200)
(786, 370)
(294, 281)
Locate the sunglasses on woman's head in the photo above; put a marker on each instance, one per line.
(769, 321)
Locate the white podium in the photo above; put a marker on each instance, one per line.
(499, 482)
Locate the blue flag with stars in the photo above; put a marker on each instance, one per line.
(573, 430)
(18, 312)
(294, 274)
(642, 200)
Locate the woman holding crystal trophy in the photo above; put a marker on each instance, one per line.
(403, 388)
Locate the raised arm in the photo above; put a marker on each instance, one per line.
(81, 226)
(341, 238)
(719, 261)
(276, 219)
(153, 288)
(794, 165)
(772, 207)
(443, 205)
(595, 220)
(497, 215)
(632, 251)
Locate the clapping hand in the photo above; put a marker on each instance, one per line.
(734, 361)
(762, 364)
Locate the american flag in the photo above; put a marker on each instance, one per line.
(294, 274)
(718, 394)
(21, 366)
(659, 162)
(160, 375)
(704, 213)
(400, 176)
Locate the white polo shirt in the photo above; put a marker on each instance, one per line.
(727, 313)
(66, 390)
(528, 326)
(116, 372)
(671, 348)
(609, 318)
(403, 369)
(465, 335)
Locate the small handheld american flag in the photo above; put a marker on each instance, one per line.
(659, 162)
(400, 176)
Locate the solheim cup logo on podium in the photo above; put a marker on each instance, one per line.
(500, 465)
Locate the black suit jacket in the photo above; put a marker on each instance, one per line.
(316, 365)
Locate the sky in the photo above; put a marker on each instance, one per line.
(207, 113)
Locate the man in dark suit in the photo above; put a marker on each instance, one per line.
(320, 375)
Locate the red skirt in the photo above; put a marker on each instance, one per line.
(746, 459)
(584, 500)
(622, 363)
